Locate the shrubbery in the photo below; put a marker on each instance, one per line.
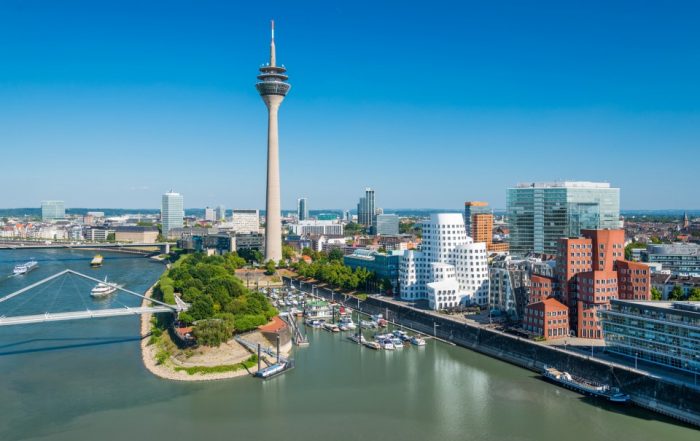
(209, 285)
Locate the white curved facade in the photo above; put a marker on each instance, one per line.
(450, 269)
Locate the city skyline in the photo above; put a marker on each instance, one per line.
(622, 92)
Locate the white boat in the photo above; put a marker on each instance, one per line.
(346, 321)
(386, 344)
(401, 335)
(368, 324)
(356, 339)
(331, 327)
(271, 370)
(417, 341)
(398, 343)
(25, 267)
(103, 289)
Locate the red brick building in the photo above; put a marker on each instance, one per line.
(634, 280)
(548, 319)
(591, 270)
(541, 288)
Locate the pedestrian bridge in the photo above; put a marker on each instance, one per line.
(155, 306)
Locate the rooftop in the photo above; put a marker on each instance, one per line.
(564, 184)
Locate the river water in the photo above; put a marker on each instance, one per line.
(84, 380)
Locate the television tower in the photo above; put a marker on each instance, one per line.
(273, 87)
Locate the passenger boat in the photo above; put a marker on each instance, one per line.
(415, 340)
(25, 267)
(272, 370)
(103, 289)
(96, 261)
(584, 386)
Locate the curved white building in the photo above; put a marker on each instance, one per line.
(450, 269)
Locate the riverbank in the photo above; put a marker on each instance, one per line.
(661, 395)
(230, 360)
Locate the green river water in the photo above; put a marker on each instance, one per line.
(84, 380)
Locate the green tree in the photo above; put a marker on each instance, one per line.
(353, 228)
(213, 332)
(655, 294)
(676, 293)
(111, 237)
(336, 255)
(694, 295)
(270, 267)
(287, 252)
(251, 255)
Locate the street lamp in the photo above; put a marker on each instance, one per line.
(435, 326)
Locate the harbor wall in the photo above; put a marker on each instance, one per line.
(673, 399)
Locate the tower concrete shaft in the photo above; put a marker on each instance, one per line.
(273, 222)
(273, 87)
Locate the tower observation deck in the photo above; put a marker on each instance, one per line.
(273, 87)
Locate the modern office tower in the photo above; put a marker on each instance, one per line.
(449, 270)
(664, 333)
(365, 209)
(302, 209)
(273, 87)
(220, 213)
(172, 212)
(470, 209)
(539, 214)
(52, 210)
(245, 221)
(387, 225)
(209, 214)
(347, 216)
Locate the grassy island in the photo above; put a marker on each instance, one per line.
(220, 306)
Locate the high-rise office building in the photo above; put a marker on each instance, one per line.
(387, 225)
(366, 209)
(172, 212)
(470, 209)
(209, 214)
(273, 87)
(220, 213)
(52, 210)
(302, 209)
(539, 214)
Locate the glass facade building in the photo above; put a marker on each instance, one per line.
(539, 214)
(387, 225)
(172, 212)
(664, 333)
(365, 209)
(302, 209)
(52, 210)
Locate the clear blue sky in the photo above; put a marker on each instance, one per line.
(109, 104)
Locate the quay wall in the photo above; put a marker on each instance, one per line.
(673, 399)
